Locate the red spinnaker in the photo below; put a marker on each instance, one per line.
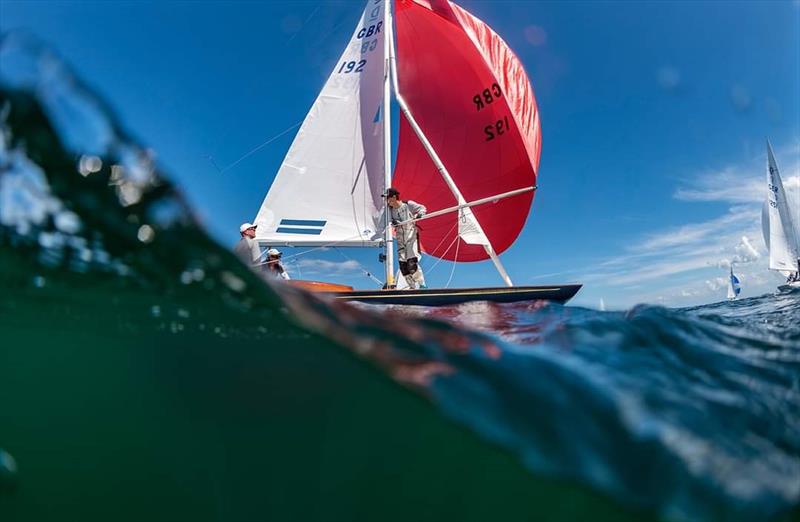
(472, 98)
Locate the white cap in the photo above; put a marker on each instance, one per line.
(273, 252)
(245, 226)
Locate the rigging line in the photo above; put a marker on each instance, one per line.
(247, 155)
(443, 254)
(436, 248)
(335, 27)
(366, 272)
(308, 19)
(223, 170)
(453, 270)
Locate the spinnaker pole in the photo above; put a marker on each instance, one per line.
(388, 244)
(438, 162)
(477, 202)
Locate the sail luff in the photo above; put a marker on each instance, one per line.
(477, 235)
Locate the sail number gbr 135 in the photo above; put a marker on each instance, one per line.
(484, 98)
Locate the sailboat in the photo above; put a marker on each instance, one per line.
(779, 222)
(469, 147)
(734, 287)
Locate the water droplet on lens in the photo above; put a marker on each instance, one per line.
(146, 233)
(8, 468)
(68, 222)
(89, 165)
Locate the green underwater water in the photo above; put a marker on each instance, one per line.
(114, 414)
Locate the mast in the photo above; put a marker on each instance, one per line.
(388, 43)
(438, 162)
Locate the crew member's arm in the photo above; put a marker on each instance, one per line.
(255, 251)
(417, 210)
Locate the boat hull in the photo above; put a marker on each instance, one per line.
(452, 296)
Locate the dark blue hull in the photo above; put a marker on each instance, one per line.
(451, 296)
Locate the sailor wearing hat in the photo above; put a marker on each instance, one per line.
(274, 266)
(247, 248)
(407, 236)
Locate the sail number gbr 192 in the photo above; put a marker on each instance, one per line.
(484, 98)
(367, 46)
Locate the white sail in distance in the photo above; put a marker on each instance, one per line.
(779, 229)
(328, 188)
(734, 287)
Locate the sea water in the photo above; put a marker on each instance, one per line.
(146, 375)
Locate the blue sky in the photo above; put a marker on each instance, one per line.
(654, 117)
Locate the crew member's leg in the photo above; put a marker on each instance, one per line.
(419, 277)
(407, 268)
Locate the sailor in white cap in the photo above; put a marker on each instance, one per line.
(274, 266)
(247, 248)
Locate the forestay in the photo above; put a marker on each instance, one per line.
(328, 188)
(779, 229)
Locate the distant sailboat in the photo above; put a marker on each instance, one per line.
(469, 148)
(780, 227)
(734, 287)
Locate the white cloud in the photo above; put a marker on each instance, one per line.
(732, 184)
(747, 253)
(327, 268)
(716, 283)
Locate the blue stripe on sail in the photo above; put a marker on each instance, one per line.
(377, 117)
(302, 223)
(309, 231)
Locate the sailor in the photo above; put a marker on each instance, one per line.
(274, 266)
(794, 276)
(407, 237)
(247, 248)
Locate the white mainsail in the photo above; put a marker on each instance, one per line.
(780, 232)
(328, 188)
